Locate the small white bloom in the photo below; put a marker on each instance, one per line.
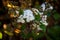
(23, 21)
(51, 7)
(41, 13)
(17, 12)
(27, 20)
(20, 19)
(43, 6)
(31, 18)
(45, 23)
(28, 14)
(44, 17)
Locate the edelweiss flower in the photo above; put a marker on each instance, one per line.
(20, 19)
(43, 6)
(17, 12)
(44, 18)
(51, 7)
(45, 23)
(28, 14)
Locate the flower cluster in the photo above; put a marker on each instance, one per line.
(36, 18)
(35, 15)
(28, 15)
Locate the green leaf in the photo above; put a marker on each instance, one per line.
(21, 11)
(0, 35)
(23, 27)
(54, 32)
(37, 6)
(34, 34)
(43, 27)
(29, 35)
(9, 33)
(23, 35)
(37, 17)
(56, 16)
(41, 34)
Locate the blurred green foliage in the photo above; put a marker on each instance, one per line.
(54, 32)
(0, 35)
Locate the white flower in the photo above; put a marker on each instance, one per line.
(51, 7)
(43, 6)
(23, 21)
(41, 13)
(28, 14)
(45, 23)
(20, 19)
(17, 12)
(44, 17)
(27, 20)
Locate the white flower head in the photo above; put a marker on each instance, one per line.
(20, 19)
(27, 20)
(28, 14)
(44, 17)
(43, 6)
(51, 7)
(41, 13)
(23, 21)
(45, 23)
(17, 12)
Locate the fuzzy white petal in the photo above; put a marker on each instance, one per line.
(17, 12)
(43, 6)
(51, 7)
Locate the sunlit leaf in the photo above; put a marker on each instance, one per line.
(1, 35)
(54, 32)
(56, 16)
